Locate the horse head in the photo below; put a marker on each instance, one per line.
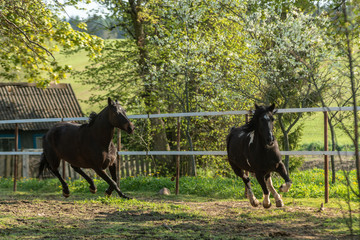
(265, 120)
(118, 118)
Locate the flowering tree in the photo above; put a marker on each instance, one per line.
(285, 43)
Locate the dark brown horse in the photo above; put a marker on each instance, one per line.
(252, 147)
(86, 146)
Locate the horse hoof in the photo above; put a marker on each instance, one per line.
(107, 195)
(266, 205)
(126, 197)
(279, 203)
(66, 195)
(255, 203)
(93, 190)
(285, 187)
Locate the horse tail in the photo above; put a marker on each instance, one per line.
(43, 164)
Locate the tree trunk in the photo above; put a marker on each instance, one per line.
(192, 167)
(285, 143)
(333, 148)
(350, 59)
(157, 125)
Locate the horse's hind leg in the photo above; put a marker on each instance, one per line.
(53, 163)
(87, 178)
(261, 179)
(111, 182)
(283, 173)
(250, 195)
(66, 191)
(269, 184)
(112, 169)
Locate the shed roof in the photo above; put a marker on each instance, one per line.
(26, 101)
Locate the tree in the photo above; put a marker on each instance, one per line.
(197, 57)
(30, 34)
(282, 41)
(191, 57)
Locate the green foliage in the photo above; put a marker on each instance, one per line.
(114, 73)
(33, 33)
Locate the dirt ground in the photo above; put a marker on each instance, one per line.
(60, 219)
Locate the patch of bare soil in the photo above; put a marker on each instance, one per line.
(55, 219)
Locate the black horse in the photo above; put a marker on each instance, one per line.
(253, 148)
(86, 146)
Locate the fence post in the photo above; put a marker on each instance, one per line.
(326, 159)
(16, 156)
(177, 158)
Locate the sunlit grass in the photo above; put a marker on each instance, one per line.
(306, 184)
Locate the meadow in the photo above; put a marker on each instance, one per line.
(206, 208)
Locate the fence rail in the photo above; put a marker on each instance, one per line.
(200, 153)
(191, 114)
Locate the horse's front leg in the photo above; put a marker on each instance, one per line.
(87, 178)
(111, 182)
(269, 184)
(261, 179)
(284, 174)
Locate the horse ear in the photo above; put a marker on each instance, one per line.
(110, 102)
(271, 107)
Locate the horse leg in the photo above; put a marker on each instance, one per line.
(250, 195)
(87, 178)
(66, 191)
(261, 179)
(53, 163)
(111, 182)
(269, 184)
(112, 169)
(283, 173)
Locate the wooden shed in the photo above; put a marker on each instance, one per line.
(26, 101)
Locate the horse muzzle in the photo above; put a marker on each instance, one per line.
(270, 145)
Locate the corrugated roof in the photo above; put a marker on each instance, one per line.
(26, 101)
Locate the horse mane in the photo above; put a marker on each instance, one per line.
(92, 118)
(251, 125)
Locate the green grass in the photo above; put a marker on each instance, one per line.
(314, 132)
(306, 184)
